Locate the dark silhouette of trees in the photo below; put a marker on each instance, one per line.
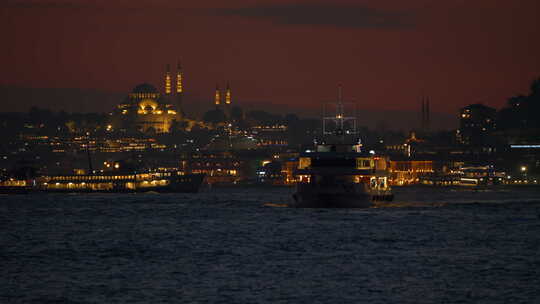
(237, 114)
(263, 117)
(214, 116)
(521, 112)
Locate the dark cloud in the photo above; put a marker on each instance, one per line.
(43, 4)
(102, 7)
(325, 14)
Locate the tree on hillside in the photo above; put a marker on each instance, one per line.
(214, 116)
(521, 111)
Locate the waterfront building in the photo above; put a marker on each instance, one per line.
(219, 167)
(408, 171)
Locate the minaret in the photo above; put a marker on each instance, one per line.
(168, 80)
(427, 113)
(179, 76)
(423, 115)
(228, 95)
(217, 97)
(179, 89)
(228, 99)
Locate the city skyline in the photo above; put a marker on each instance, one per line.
(386, 54)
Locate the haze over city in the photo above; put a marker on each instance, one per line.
(87, 55)
(270, 151)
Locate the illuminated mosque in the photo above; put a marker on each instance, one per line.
(148, 111)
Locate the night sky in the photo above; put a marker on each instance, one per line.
(386, 54)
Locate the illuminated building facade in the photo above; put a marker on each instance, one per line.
(145, 110)
(148, 111)
(406, 172)
(219, 167)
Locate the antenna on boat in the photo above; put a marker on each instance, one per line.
(340, 118)
(339, 109)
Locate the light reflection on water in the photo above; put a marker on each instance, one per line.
(431, 245)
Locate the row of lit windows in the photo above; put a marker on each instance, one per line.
(144, 95)
(273, 142)
(270, 127)
(108, 177)
(91, 178)
(235, 164)
(220, 155)
(218, 172)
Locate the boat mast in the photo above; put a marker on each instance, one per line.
(340, 118)
(339, 108)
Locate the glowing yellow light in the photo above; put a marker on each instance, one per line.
(179, 88)
(304, 162)
(217, 97)
(228, 96)
(168, 83)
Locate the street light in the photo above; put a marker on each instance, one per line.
(524, 172)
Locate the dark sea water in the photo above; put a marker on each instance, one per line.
(240, 246)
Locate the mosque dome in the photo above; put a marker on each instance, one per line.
(145, 109)
(145, 88)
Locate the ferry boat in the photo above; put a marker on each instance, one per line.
(158, 181)
(117, 177)
(339, 174)
(480, 176)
